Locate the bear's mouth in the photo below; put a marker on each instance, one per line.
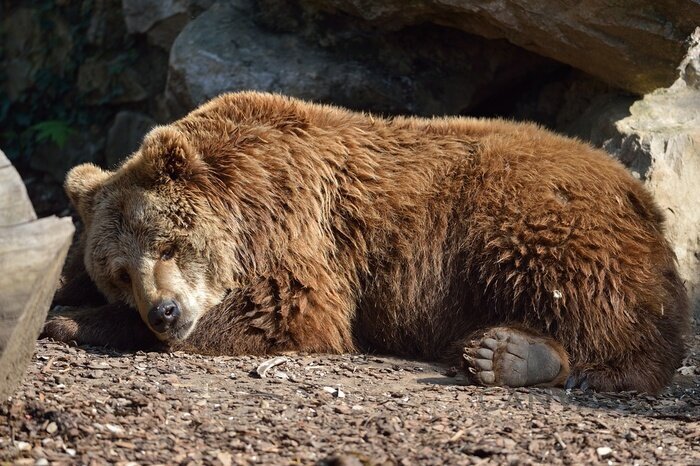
(180, 332)
(176, 333)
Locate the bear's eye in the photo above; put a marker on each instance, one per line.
(124, 277)
(167, 253)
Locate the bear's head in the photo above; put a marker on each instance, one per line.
(151, 239)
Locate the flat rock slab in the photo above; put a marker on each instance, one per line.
(32, 253)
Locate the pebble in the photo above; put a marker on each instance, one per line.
(114, 428)
(51, 428)
(23, 446)
(99, 365)
(603, 452)
(342, 409)
(336, 392)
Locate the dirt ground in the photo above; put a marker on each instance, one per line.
(92, 406)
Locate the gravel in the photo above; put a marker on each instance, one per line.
(91, 405)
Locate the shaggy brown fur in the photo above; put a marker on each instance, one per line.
(306, 227)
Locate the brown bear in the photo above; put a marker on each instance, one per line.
(260, 224)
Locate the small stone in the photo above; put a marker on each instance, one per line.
(342, 409)
(23, 446)
(265, 367)
(603, 452)
(225, 458)
(344, 460)
(114, 428)
(281, 375)
(99, 365)
(687, 370)
(51, 428)
(41, 462)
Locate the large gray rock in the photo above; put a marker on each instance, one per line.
(98, 83)
(161, 20)
(422, 70)
(633, 44)
(31, 256)
(125, 135)
(658, 138)
(142, 15)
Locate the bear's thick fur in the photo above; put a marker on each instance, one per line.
(275, 224)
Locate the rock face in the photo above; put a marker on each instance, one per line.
(658, 138)
(423, 70)
(633, 44)
(25, 53)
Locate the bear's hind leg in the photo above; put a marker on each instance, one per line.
(513, 357)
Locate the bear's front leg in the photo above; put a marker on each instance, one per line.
(115, 325)
(273, 315)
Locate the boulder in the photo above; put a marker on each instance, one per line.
(125, 135)
(32, 252)
(424, 70)
(162, 21)
(633, 44)
(101, 81)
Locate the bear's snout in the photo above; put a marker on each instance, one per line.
(164, 315)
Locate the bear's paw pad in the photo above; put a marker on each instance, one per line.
(511, 358)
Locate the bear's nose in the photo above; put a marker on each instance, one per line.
(164, 315)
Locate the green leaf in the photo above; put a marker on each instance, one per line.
(56, 131)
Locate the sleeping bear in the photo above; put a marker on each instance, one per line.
(260, 224)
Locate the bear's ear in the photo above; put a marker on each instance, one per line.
(168, 156)
(82, 182)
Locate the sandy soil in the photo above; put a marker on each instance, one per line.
(93, 406)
